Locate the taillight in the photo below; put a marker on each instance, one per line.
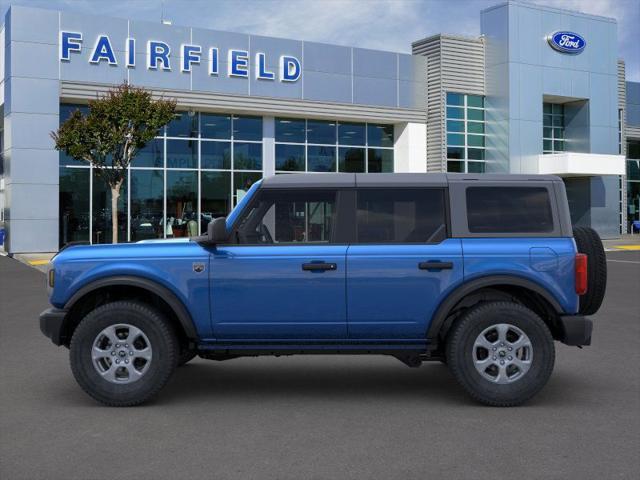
(581, 273)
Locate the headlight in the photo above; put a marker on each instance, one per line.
(51, 276)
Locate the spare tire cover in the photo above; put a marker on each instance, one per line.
(588, 242)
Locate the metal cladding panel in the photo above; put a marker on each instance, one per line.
(79, 91)
(454, 64)
(329, 73)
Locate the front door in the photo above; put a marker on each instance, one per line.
(284, 278)
(402, 264)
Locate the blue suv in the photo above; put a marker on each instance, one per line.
(481, 272)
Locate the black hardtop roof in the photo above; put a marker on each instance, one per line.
(344, 180)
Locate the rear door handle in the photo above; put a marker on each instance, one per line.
(319, 266)
(435, 265)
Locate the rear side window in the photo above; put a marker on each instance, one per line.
(509, 210)
(401, 215)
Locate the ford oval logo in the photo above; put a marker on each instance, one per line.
(567, 42)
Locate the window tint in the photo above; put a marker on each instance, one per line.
(401, 216)
(290, 217)
(509, 210)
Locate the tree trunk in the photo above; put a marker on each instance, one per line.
(115, 194)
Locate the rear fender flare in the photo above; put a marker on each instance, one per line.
(443, 310)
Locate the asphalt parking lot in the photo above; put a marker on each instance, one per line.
(320, 417)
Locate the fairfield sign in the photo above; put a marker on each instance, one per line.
(159, 56)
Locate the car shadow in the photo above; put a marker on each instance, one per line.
(307, 378)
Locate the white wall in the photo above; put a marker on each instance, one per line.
(410, 149)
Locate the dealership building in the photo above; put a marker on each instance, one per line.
(541, 90)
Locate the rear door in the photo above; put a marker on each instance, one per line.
(402, 262)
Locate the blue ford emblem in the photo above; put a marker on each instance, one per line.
(567, 42)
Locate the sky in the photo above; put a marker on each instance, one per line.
(378, 24)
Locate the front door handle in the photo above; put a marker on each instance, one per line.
(435, 265)
(319, 266)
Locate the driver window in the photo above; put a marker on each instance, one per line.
(284, 217)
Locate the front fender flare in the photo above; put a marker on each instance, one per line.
(178, 307)
(443, 310)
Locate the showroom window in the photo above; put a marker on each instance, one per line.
(633, 182)
(465, 129)
(196, 169)
(552, 128)
(329, 146)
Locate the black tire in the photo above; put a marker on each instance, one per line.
(460, 351)
(162, 340)
(588, 242)
(186, 356)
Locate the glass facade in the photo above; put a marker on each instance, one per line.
(552, 128)
(330, 146)
(199, 166)
(465, 130)
(633, 183)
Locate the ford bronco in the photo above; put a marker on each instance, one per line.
(481, 272)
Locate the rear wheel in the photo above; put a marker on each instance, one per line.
(123, 353)
(588, 242)
(501, 353)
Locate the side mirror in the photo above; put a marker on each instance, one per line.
(217, 231)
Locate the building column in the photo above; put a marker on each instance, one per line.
(268, 146)
(410, 148)
(31, 113)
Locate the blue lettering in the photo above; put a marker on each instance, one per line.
(69, 42)
(131, 52)
(290, 70)
(158, 52)
(238, 63)
(261, 68)
(190, 55)
(213, 61)
(103, 51)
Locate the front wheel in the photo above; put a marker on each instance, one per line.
(123, 353)
(501, 353)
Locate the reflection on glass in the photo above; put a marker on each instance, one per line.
(455, 139)
(380, 160)
(379, 135)
(182, 153)
(476, 167)
(147, 188)
(247, 156)
(290, 130)
(215, 126)
(351, 160)
(455, 98)
(455, 126)
(455, 152)
(475, 127)
(321, 159)
(290, 158)
(215, 155)
(351, 133)
(477, 115)
(247, 128)
(455, 112)
(242, 182)
(455, 167)
(102, 211)
(215, 189)
(151, 155)
(182, 204)
(475, 101)
(184, 124)
(74, 205)
(320, 131)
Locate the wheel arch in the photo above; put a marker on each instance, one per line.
(525, 291)
(128, 287)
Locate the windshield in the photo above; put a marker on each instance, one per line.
(231, 218)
